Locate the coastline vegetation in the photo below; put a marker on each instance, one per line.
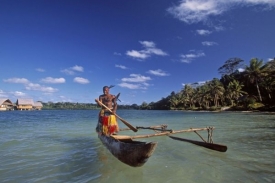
(241, 87)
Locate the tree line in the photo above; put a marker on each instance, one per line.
(81, 106)
(241, 87)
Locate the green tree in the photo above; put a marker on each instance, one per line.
(255, 72)
(144, 105)
(234, 91)
(230, 66)
(187, 95)
(203, 96)
(216, 90)
(175, 100)
(268, 84)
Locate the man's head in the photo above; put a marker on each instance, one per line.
(106, 89)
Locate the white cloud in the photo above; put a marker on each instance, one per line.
(146, 84)
(203, 32)
(194, 11)
(148, 44)
(17, 80)
(81, 80)
(137, 54)
(136, 78)
(218, 28)
(31, 86)
(187, 58)
(18, 94)
(209, 43)
(40, 70)
(132, 86)
(135, 81)
(71, 70)
(77, 68)
(158, 72)
(116, 53)
(3, 94)
(269, 3)
(68, 71)
(53, 80)
(121, 66)
(149, 50)
(38, 87)
(156, 51)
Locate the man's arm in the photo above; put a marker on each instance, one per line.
(100, 99)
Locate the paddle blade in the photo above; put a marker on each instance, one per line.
(215, 147)
(126, 123)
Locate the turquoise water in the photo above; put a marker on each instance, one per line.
(62, 146)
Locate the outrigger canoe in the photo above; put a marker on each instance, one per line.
(136, 153)
(132, 153)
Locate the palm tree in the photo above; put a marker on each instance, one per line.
(234, 90)
(268, 83)
(216, 90)
(255, 73)
(174, 100)
(204, 95)
(187, 93)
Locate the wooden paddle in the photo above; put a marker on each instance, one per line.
(125, 122)
(216, 147)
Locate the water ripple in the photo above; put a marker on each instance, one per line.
(62, 146)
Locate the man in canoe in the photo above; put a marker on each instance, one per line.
(107, 123)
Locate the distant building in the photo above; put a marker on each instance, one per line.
(37, 106)
(24, 104)
(6, 104)
(21, 104)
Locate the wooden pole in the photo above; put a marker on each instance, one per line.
(158, 127)
(156, 134)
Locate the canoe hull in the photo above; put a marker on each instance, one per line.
(132, 153)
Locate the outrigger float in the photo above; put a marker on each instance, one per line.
(136, 153)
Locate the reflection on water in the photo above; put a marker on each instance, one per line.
(62, 146)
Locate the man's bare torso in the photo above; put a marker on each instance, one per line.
(107, 100)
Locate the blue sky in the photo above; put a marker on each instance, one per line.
(67, 50)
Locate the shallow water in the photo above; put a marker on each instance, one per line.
(62, 146)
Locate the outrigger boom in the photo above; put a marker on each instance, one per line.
(164, 131)
(167, 132)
